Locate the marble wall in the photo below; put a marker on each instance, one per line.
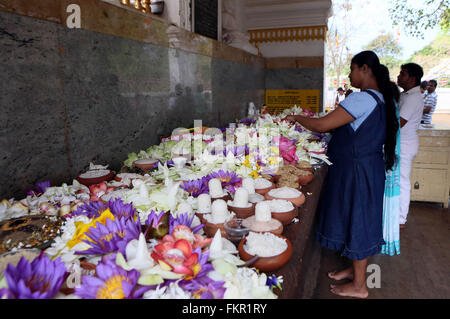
(69, 97)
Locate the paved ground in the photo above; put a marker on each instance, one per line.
(421, 271)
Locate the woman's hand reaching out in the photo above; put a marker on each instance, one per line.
(290, 118)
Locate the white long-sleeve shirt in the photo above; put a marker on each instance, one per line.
(410, 109)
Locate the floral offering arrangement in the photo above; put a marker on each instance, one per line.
(171, 229)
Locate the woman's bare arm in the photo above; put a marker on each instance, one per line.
(334, 119)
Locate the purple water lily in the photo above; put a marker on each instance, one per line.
(183, 219)
(120, 209)
(226, 177)
(111, 282)
(154, 219)
(229, 180)
(247, 121)
(157, 225)
(94, 209)
(111, 237)
(39, 188)
(90, 209)
(204, 288)
(40, 279)
(196, 187)
(237, 150)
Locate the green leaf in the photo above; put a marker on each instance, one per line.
(150, 280)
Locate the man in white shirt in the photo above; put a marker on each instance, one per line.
(429, 104)
(410, 111)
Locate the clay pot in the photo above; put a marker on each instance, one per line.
(145, 166)
(275, 178)
(263, 191)
(297, 201)
(188, 156)
(200, 216)
(306, 178)
(95, 180)
(226, 198)
(276, 231)
(266, 264)
(211, 229)
(286, 217)
(243, 212)
(305, 166)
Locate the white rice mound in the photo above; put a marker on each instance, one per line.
(264, 244)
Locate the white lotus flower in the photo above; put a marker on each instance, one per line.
(247, 284)
(172, 291)
(221, 248)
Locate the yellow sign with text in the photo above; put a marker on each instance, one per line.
(279, 100)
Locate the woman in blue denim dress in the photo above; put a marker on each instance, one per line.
(361, 148)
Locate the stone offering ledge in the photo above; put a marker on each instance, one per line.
(113, 18)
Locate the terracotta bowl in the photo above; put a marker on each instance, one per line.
(200, 216)
(275, 178)
(226, 198)
(188, 157)
(266, 264)
(276, 231)
(263, 191)
(211, 229)
(243, 212)
(297, 201)
(95, 180)
(145, 166)
(286, 217)
(305, 179)
(305, 167)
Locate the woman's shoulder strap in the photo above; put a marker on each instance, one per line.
(377, 99)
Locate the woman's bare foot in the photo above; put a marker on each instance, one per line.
(350, 290)
(343, 274)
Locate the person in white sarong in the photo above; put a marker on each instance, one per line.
(410, 110)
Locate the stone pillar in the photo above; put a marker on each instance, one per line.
(233, 30)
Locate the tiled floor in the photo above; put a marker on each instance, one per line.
(421, 271)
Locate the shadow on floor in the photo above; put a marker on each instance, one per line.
(421, 271)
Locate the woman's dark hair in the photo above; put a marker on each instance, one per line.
(395, 91)
(381, 74)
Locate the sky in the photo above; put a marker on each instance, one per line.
(373, 18)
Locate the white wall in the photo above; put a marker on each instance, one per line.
(443, 100)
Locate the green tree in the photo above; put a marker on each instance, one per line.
(420, 15)
(388, 50)
(340, 29)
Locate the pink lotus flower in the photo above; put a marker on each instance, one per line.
(287, 150)
(185, 232)
(98, 190)
(180, 258)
